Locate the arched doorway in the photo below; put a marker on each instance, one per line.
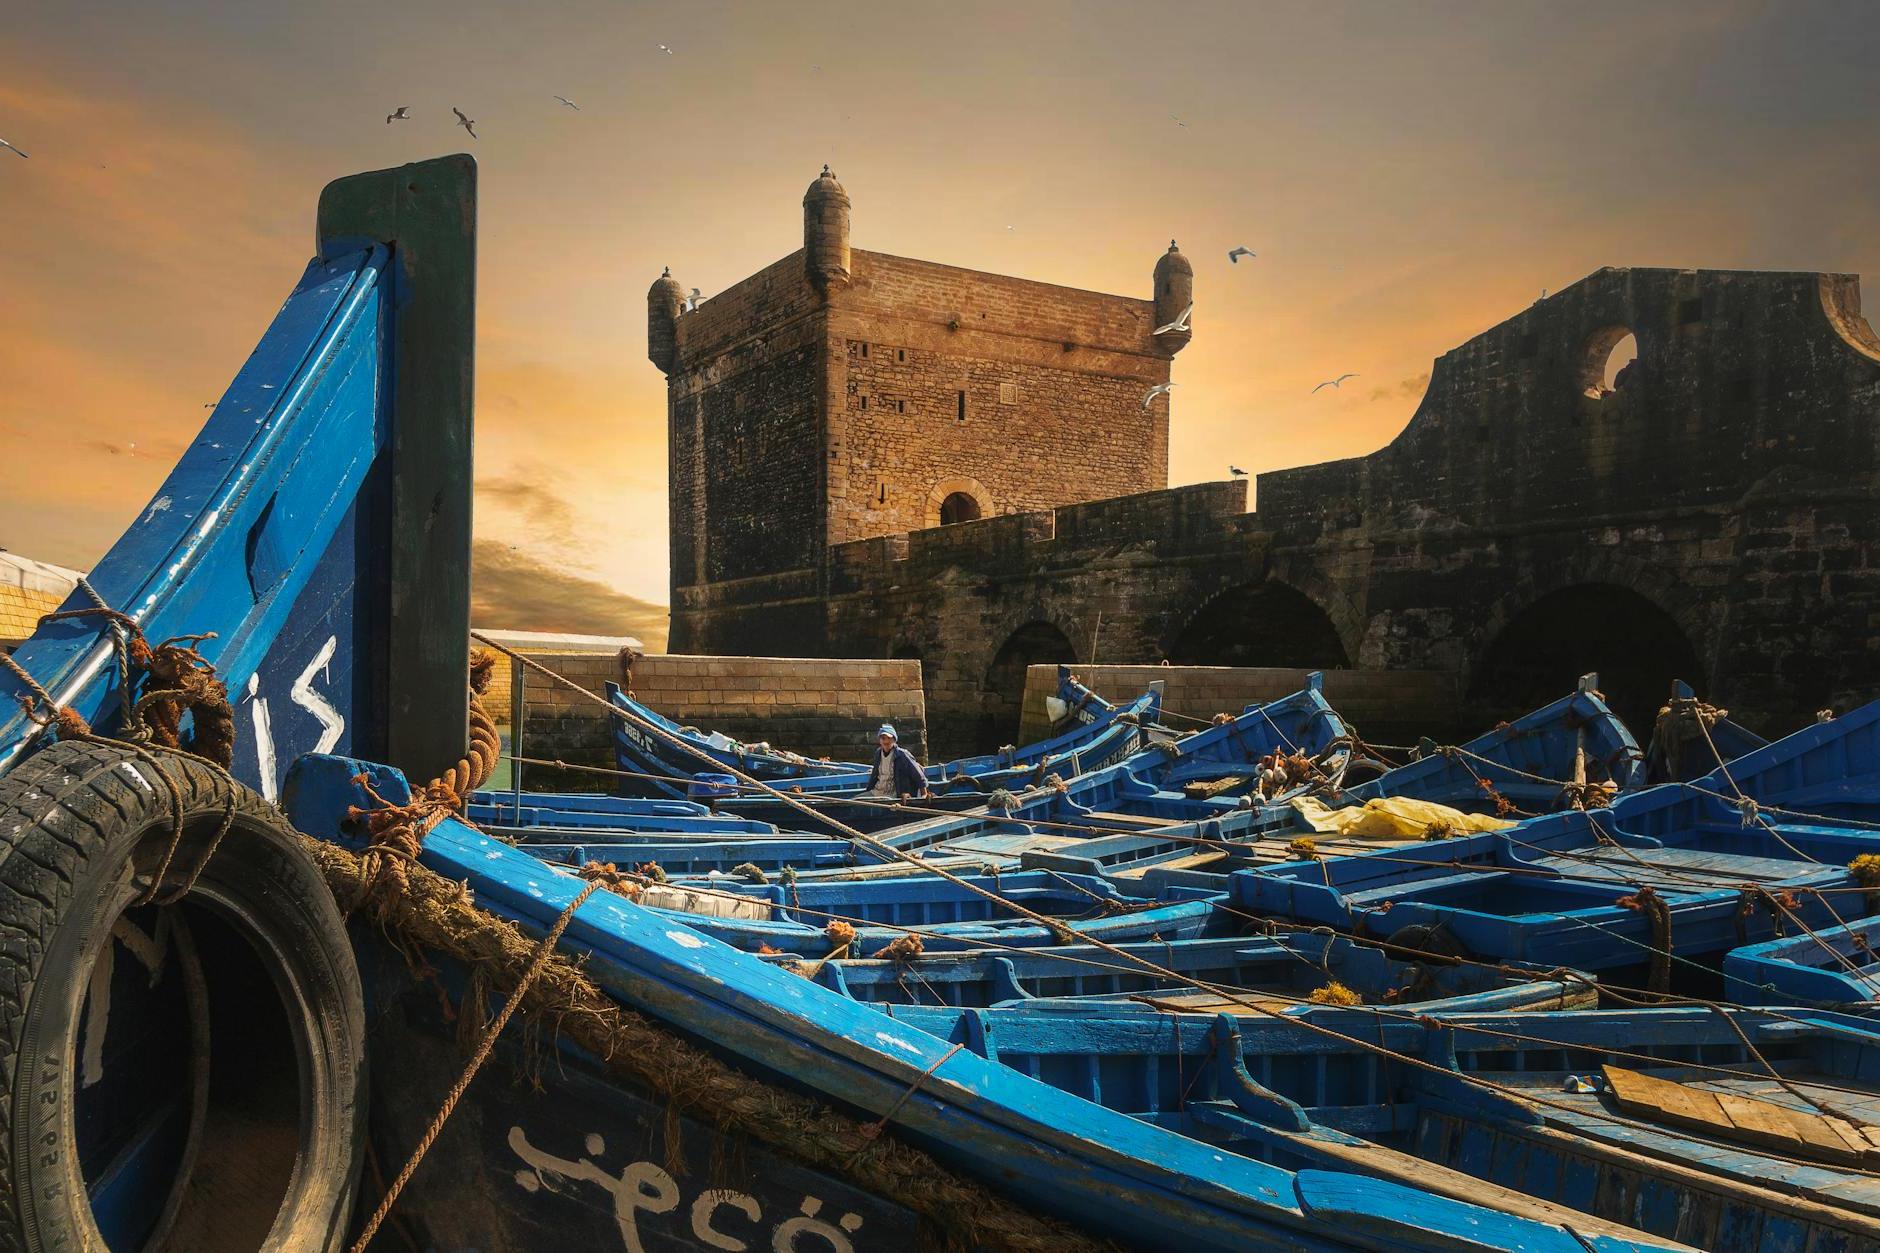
(1635, 646)
(1001, 697)
(958, 507)
(1260, 624)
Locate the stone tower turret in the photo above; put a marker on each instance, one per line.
(1174, 292)
(664, 299)
(826, 232)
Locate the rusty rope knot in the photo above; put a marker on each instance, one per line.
(1657, 913)
(395, 835)
(902, 949)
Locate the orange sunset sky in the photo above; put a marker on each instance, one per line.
(1409, 175)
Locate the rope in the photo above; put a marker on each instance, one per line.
(543, 952)
(439, 914)
(1042, 920)
(1658, 915)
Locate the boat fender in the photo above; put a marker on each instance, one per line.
(1430, 942)
(234, 969)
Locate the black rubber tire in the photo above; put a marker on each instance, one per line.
(82, 828)
(1430, 942)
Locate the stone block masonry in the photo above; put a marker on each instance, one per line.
(1710, 512)
(814, 706)
(1385, 706)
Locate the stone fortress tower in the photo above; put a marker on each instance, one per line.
(841, 395)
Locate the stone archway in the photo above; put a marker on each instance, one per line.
(958, 499)
(1634, 644)
(1260, 624)
(1002, 694)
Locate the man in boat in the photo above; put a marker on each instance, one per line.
(896, 775)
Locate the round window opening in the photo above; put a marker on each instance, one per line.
(959, 507)
(1611, 359)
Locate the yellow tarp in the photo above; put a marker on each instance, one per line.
(1392, 818)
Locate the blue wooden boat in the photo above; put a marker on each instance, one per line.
(1828, 773)
(184, 1042)
(1278, 973)
(1565, 889)
(1272, 1088)
(1691, 738)
(662, 757)
(1144, 1180)
(1835, 966)
(1540, 762)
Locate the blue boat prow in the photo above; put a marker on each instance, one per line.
(287, 531)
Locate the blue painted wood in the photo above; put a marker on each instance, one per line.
(1835, 966)
(252, 536)
(1543, 743)
(1100, 733)
(1129, 1177)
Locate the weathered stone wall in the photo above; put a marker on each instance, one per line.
(745, 421)
(1716, 517)
(817, 707)
(800, 417)
(1021, 395)
(1386, 707)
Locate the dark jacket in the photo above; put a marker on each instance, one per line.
(909, 779)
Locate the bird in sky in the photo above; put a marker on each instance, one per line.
(663, 48)
(571, 104)
(467, 123)
(692, 301)
(1159, 389)
(1334, 382)
(401, 114)
(1237, 472)
(1238, 253)
(10, 147)
(1179, 324)
(1178, 121)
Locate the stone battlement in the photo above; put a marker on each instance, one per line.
(1712, 513)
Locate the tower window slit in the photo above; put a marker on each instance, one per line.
(959, 413)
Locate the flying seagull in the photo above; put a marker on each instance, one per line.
(1237, 472)
(5, 144)
(663, 48)
(1238, 253)
(571, 104)
(1158, 390)
(1334, 382)
(1178, 121)
(467, 123)
(402, 114)
(692, 301)
(1179, 324)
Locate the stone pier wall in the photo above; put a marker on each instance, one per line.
(815, 706)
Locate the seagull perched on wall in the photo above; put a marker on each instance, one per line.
(401, 114)
(1334, 382)
(1237, 472)
(571, 104)
(1238, 253)
(9, 147)
(1158, 390)
(1179, 324)
(467, 123)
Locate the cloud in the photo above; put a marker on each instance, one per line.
(1406, 389)
(510, 590)
(543, 509)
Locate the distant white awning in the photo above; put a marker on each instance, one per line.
(555, 641)
(36, 576)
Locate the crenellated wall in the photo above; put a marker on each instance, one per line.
(1713, 517)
